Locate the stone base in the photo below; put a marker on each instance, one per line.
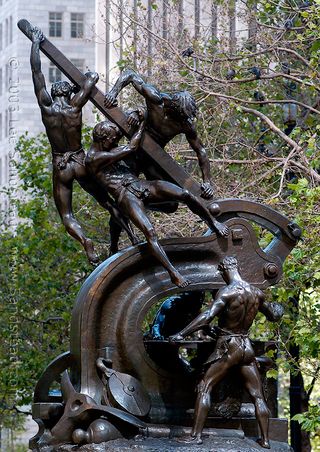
(278, 428)
(211, 444)
(166, 439)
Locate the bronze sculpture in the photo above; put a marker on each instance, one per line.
(62, 118)
(236, 306)
(107, 340)
(105, 163)
(168, 116)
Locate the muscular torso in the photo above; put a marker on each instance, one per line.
(162, 127)
(113, 178)
(63, 126)
(243, 302)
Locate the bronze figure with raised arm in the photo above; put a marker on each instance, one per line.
(168, 116)
(106, 162)
(62, 117)
(236, 306)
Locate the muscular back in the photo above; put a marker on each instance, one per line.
(63, 126)
(160, 126)
(242, 305)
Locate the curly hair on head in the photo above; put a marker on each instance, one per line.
(61, 89)
(102, 129)
(228, 263)
(184, 103)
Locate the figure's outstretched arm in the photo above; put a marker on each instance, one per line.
(105, 158)
(149, 92)
(82, 96)
(44, 98)
(203, 319)
(97, 159)
(203, 160)
(135, 141)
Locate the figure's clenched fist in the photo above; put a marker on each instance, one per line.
(37, 35)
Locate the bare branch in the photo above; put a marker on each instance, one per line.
(273, 127)
(274, 27)
(271, 101)
(283, 175)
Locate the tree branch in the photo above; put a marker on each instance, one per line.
(273, 127)
(264, 102)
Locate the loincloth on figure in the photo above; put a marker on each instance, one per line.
(62, 159)
(138, 187)
(229, 344)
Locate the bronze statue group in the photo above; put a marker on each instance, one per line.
(111, 173)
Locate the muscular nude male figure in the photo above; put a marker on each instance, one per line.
(62, 117)
(105, 162)
(236, 306)
(168, 116)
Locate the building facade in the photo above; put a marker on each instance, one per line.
(69, 24)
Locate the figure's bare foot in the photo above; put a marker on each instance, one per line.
(179, 280)
(191, 440)
(221, 229)
(91, 255)
(263, 443)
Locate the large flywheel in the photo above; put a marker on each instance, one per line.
(113, 303)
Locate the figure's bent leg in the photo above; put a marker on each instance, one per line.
(166, 190)
(62, 193)
(253, 385)
(136, 212)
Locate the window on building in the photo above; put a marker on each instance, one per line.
(6, 32)
(1, 81)
(1, 37)
(8, 76)
(55, 75)
(77, 25)
(10, 30)
(55, 25)
(79, 63)
(6, 126)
